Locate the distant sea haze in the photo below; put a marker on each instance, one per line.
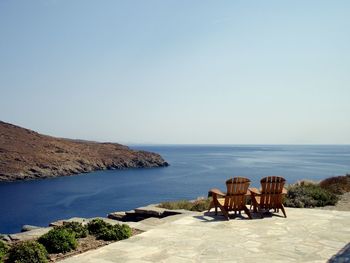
(192, 172)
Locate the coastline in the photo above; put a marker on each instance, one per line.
(145, 212)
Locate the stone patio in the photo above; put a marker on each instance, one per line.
(307, 235)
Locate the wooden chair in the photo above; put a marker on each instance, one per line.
(233, 200)
(270, 196)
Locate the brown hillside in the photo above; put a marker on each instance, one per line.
(25, 154)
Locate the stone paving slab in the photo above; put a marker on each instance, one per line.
(307, 235)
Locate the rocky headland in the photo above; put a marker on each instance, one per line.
(25, 154)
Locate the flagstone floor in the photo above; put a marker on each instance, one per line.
(307, 235)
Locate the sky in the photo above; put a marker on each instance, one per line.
(178, 71)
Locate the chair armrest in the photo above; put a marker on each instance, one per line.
(215, 191)
(254, 191)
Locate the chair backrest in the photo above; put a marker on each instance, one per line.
(237, 187)
(271, 191)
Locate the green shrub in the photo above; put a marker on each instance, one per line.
(105, 231)
(114, 232)
(309, 195)
(199, 205)
(59, 240)
(95, 226)
(76, 228)
(124, 231)
(3, 251)
(27, 252)
(337, 185)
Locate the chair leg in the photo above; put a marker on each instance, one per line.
(211, 205)
(223, 210)
(254, 204)
(283, 211)
(246, 210)
(214, 203)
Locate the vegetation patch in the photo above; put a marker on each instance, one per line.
(3, 251)
(64, 241)
(27, 252)
(337, 185)
(107, 232)
(199, 205)
(59, 240)
(76, 228)
(308, 194)
(95, 226)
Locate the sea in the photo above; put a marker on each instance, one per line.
(193, 170)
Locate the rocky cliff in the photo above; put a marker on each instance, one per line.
(25, 154)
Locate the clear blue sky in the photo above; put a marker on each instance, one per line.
(212, 72)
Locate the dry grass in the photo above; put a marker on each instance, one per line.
(337, 185)
(199, 205)
(311, 194)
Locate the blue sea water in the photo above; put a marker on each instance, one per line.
(192, 172)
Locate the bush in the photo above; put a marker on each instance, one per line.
(309, 195)
(59, 240)
(28, 252)
(337, 185)
(123, 231)
(3, 251)
(76, 228)
(107, 232)
(199, 205)
(95, 226)
(114, 232)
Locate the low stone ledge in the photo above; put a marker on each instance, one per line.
(155, 210)
(140, 214)
(143, 213)
(130, 212)
(5, 238)
(73, 219)
(26, 228)
(29, 235)
(117, 216)
(150, 210)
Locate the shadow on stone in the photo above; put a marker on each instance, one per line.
(220, 217)
(342, 256)
(142, 213)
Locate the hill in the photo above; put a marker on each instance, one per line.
(25, 154)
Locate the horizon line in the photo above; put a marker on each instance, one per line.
(236, 144)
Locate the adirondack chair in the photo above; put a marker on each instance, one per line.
(270, 196)
(233, 200)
